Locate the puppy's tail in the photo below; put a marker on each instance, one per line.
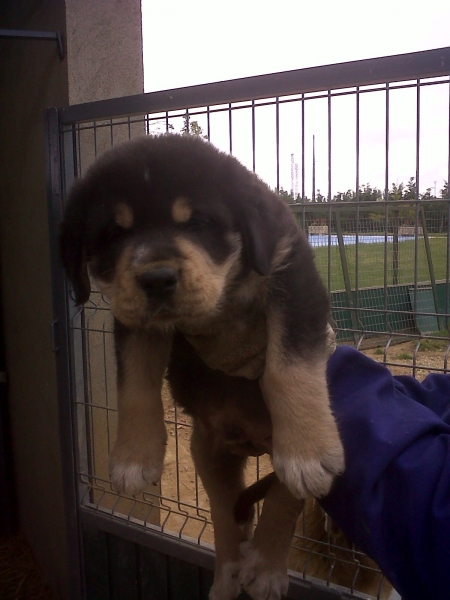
(243, 508)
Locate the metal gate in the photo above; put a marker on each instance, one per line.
(383, 250)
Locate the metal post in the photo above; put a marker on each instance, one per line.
(61, 348)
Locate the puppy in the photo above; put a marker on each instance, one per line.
(210, 280)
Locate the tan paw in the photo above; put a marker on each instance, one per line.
(133, 469)
(313, 476)
(259, 577)
(226, 585)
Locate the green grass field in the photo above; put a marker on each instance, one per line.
(371, 263)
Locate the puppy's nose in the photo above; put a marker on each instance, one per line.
(159, 283)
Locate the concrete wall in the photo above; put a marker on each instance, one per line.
(104, 48)
(104, 59)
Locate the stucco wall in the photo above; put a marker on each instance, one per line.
(104, 59)
(104, 49)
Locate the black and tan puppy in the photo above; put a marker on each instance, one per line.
(210, 280)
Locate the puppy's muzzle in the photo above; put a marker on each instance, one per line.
(159, 284)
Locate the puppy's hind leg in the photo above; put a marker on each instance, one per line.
(263, 572)
(222, 476)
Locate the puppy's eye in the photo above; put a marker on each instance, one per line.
(117, 229)
(115, 232)
(200, 221)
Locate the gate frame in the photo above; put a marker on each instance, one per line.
(60, 172)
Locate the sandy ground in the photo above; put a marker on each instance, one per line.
(416, 358)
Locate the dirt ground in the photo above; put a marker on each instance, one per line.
(416, 358)
(183, 490)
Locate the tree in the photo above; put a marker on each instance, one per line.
(192, 128)
(444, 191)
(287, 197)
(158, 127)
(319, 197)
(396, 193)
(409, 193)
(348, 196)
(369, 194)
(426, 195)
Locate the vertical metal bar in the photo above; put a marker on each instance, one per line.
(187, 122)
(416, 220)
(357, 141)
(71, 154)
(313, 196)
(253, 137)
(329, 246)
(304, 224)
(329, 146)
(208, 122)
(55, 188)
(417, 214)
(357, 212)
(95, 146)
(230, 128)
(430, 263)
(329, 195)
(346, 274)
(303, 150)
(386, 209)
(79, 360)
(277, 133)
(395, 247)
(77, 146)
(74, 149)
(447, 274)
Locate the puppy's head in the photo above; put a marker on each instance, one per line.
(164, 224)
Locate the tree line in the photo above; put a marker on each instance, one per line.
(367, 193)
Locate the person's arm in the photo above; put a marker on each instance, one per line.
(393, 500)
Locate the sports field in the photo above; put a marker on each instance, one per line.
(372, 260)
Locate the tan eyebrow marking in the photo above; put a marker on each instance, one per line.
(123, 215)
(181, 210)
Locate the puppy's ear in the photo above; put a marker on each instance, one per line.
(259, 237)
(72, 242)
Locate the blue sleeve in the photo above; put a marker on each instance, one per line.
(393, 500)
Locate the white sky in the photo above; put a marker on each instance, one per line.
(201, 41)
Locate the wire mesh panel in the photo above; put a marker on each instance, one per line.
(363, 161)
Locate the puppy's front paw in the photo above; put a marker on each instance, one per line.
(260, 577)
(313, 476)
(226, 585)
(134, 467)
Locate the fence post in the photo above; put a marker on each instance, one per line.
(430, 263)
(346, 274)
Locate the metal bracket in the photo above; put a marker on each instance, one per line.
(35, 35)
